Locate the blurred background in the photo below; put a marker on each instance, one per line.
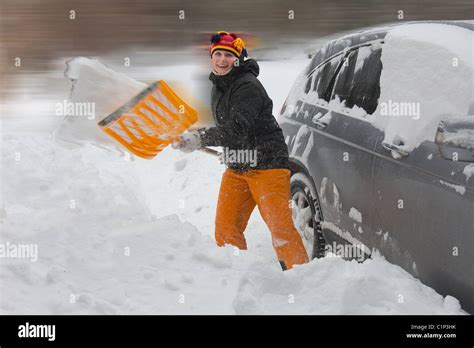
(44, 34)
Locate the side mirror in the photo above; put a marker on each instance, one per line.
(455, 138)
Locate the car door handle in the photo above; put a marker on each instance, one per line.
(320, 124)
(396, 150)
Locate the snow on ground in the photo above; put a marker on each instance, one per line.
(108, 253)
(123, 235)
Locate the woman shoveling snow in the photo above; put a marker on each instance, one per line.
(255, 152)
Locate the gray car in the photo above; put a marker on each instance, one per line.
(353, 186)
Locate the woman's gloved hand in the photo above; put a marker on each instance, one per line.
(188, 142)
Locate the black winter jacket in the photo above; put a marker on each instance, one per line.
(243, 116)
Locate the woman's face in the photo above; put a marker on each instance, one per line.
(222, 62)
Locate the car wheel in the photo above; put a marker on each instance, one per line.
(307, 215)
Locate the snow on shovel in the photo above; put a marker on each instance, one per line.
(142, 119)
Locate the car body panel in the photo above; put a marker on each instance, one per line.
(417, 210)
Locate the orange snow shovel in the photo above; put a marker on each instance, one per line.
(150, 121)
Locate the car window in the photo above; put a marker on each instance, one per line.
(319, 83)
(358, 81)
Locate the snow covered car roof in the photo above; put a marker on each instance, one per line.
(366, 35)
(412, 53)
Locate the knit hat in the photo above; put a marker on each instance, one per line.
(228, 42)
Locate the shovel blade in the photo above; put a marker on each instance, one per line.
(150, 121)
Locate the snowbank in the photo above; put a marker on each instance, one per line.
(334, 286)
(102, 251)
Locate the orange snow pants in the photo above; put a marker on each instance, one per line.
(269, 189)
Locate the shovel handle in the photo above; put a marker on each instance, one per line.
(210, 151)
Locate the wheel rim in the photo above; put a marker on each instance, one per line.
(303, 220)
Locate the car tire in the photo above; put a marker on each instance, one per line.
(307, 215)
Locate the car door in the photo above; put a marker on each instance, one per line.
(424, 217)
(333, 144)
(344, 143)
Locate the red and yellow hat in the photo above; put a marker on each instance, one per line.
(228, 42)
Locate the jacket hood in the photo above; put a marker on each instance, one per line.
(250, 65)
(223, 81)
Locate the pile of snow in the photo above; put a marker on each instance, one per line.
(429, 67)
(334, 286)
(102, 251)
